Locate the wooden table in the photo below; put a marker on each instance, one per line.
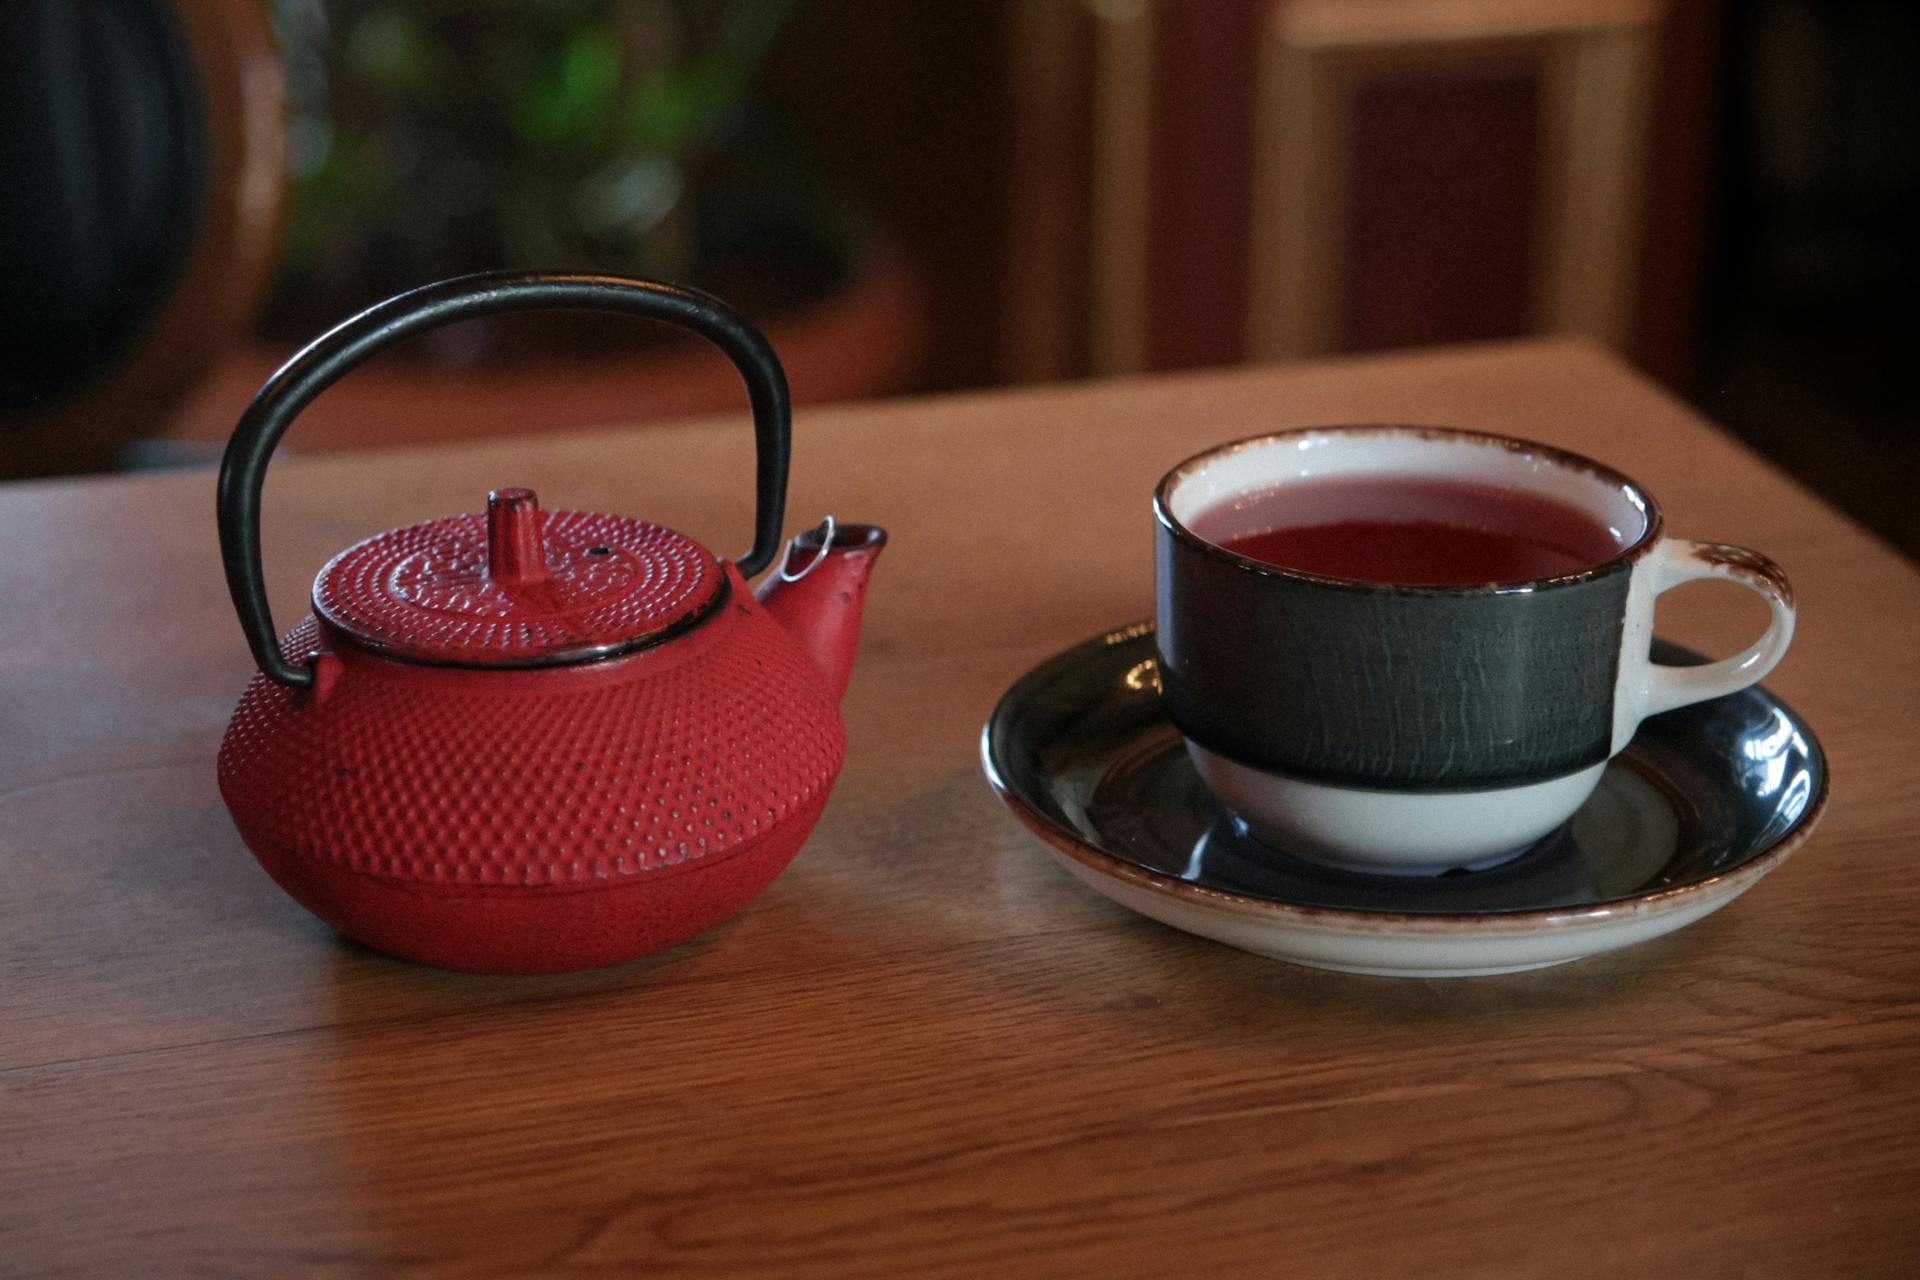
(926, 1051)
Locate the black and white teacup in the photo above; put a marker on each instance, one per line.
(1416, 729)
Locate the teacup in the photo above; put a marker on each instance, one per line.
(1416, 729)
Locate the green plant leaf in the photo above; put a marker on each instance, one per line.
(575, 102)
(388, 48)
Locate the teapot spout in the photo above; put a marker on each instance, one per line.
(818, 591)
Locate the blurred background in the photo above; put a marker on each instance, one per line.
(940, 196)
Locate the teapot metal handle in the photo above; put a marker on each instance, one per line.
(330, 356)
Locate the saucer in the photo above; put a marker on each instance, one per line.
(1704, 801)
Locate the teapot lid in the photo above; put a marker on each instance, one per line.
(518, 587)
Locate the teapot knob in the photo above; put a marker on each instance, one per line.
(516, 553)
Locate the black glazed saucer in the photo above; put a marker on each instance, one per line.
(1703, 802)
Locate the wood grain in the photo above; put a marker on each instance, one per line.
(925, 1051)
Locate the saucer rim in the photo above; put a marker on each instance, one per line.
(1671, 898)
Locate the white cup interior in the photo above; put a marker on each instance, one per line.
(1212, 484)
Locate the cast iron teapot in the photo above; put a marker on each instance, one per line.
(530, 740)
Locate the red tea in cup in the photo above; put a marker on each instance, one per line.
(1410, 531)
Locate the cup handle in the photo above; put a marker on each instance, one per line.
(1676, 560)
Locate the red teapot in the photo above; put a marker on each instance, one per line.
(530, 740)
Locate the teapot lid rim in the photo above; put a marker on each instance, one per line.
(438, 591)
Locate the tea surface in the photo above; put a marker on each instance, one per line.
(1410, 531)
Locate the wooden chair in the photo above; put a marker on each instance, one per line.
(140, 190)
(1199, 184)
